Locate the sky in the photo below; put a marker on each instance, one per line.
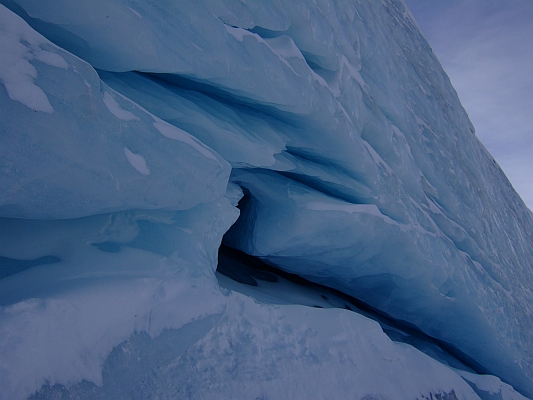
(486, 48)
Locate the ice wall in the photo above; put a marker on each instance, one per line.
(360, 168)
(72, 146)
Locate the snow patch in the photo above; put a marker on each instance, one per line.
(19, 45)
(137, 161)
(490, 384)
(52, 59)
(116, 110)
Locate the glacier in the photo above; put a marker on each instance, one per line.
(144, 144)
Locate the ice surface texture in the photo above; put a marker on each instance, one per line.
(113, 275)
(72, 146)
(360, 168)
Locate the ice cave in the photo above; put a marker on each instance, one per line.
(249, 199)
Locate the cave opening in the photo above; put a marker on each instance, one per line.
(264, 281)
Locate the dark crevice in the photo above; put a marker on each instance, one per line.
(308, 57)
(242, 267)
(224, 96)
(325, 162)
(317, 68)
(250, 270)
(247, 269)
(239, 231)
(266, 33)
(327, 74)
(319, 186)
(12, 266)
(329, 189)
(108, 247)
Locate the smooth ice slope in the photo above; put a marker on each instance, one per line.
(359, 166)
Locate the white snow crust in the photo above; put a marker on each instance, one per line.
(137, 161)
(20, 45)
(115, 109)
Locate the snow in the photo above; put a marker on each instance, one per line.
(332, 348)
(66, 317)
(490, 387)
(20, 45)
(321, 137)
(115, 109)
(89, 130)
(137, 161)
(243, 140)
(172, 132)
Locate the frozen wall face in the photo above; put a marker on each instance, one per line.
(359, 167)
(72, 146)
